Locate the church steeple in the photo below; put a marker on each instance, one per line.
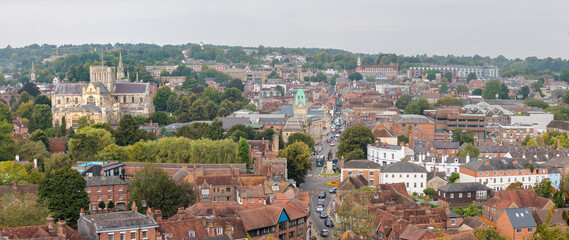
(33, 73)
(120, 68)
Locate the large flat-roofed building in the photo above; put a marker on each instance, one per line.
(482, 72)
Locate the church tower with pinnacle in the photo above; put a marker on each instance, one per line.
(120, 68)
(300, 107)
(33, 74)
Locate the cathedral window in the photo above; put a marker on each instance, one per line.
(132, 99)
(91, 100)
(67, 100)
(124, 99)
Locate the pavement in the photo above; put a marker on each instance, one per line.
(314, 184)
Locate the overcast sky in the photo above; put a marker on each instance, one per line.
(513, 28)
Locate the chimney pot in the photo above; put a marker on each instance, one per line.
(60, 228)
(49, 222)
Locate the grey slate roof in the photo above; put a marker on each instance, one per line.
(403, 166)
(498, 164)
(130, 87)
(445, 145)
(76, 88)
(120, 220)
(412, 118)
(520, 217)
(104, 181)
(472, 222)
(229, 122)
(464, 187)
(365, 164)
(272, 121)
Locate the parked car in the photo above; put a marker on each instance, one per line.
(320, 208)
(321, 202)
(333, 190)
(329, 222)
(324, 233)
(322, 195)
(323, 215)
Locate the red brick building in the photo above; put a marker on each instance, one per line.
(106, 189)
(420, 127)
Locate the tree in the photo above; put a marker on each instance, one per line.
(41, 118)
(544, 188)
(7, 148)
(547, 231)
(248, 131)
(57, 161)
(243, 152)
(417, 106)
(453, 177)
(127, 132)
(25, 109)
(161, 98)
(471, 211)
(469, 149)
(448, 75)
(462, 136)
(233, 95)
(431, 76)
(21, 210)
(354, 213)
(492, 89)
(403, 101)
(297, 156)
(33, 150)
(482, 233)
(159, 191)
(110, 205)
(430, 192)
(42, 99)
(515, 185)
(63, 126)
(533, 102)
(477, 92)
(524, 91)
(443, 89)
(102, 205)
(87, 142)
(303, 137)
(320, 77)
(462, 89)
(403, 138)
(30, 88)
(113, 152)
(236, 83)
(355, 76)
(5, 114)
(159, 117)
(354, 138)
(41, 136)
(471, 76)
(63, 191)
(449, 101)
(22, 174)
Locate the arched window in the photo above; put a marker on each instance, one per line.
(91, 100)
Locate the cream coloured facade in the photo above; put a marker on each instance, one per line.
(103, 99)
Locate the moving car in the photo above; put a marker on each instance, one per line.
(331, 144)
(322, 195)
(329, 222)
(323, 215)
(324, 233)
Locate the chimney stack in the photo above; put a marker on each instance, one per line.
(49, 222)
(134, 208)
(60, 228)
(14, 185)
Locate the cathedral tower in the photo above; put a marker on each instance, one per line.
(300, 107)
(120, 68)
(103, 74)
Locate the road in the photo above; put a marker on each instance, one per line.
(314, 184)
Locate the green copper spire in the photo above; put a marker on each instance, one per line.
(300, 98)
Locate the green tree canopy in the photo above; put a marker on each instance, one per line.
(462, 136)
(303, 137)
(87, 142)
(28, 211)
(236, 83)
(471, 76)
(533, 102)
(469, 149)
(297, 156)
(354, 138)
(403, 101)
(5, 113)
(127, 132)
(161, 98)
(355, 76)
(462, 89)
(449, 101)
(57, 161)
(243, 152)
(494, 88)
(477, 92)
(417, 106)
(41, 118)
(41, 136)
(63, 191)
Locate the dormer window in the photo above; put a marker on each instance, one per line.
(191, 233)
(456, 160)
(433, 159)
(219, 231)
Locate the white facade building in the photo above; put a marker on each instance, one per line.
(414, 176)
(385, 154)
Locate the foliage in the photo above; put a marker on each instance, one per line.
(113, 152)
(417, 106)
(462, 136)
(453, 177)
(469, 149)
(102, 205)
(471, 211)
(462, 89)
(355, 76)
(33, 150)
(161, 98)
(240, 130)
(183, 150)
(543, 188)
(515, 185)
(42, 99)
(298, 160)
(236, 83)
(41, 118)
(477, 92)
(159, 191)
(302, 137)
(57, 161)
(7, 148)
(403, 138)
(354, 214)
(494, 88)
(5, 114)
(430, 192)
(533, 102)
(11, 171)
(21, 210)
(449, 101)
(551, 231)
(471, 76)
(40, 136)
(403, 101)
(356, 137)
(443, 89)
(243, 151)
(482, 233)
(524, 91)
(110, 205)
(63, 191)
(87, 142)
(128, 132)
(31, 89)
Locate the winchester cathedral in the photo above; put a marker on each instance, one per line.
(106, 98)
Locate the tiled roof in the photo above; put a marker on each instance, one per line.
(22, 189)
(563, 125)
(57, 144)
(217, 180)
(38, 232)
(464, 187)
(520, 217)
(413, 232)
(180, 228)
(445, 145)
(215, 209)
(251, 191)
(472, 222)
(497, 164)
(412, 118)
(120, 220)
(105, 181)
(523, 198)
(556, 218)
(128, 87)
(403, 167)
(361, 164)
